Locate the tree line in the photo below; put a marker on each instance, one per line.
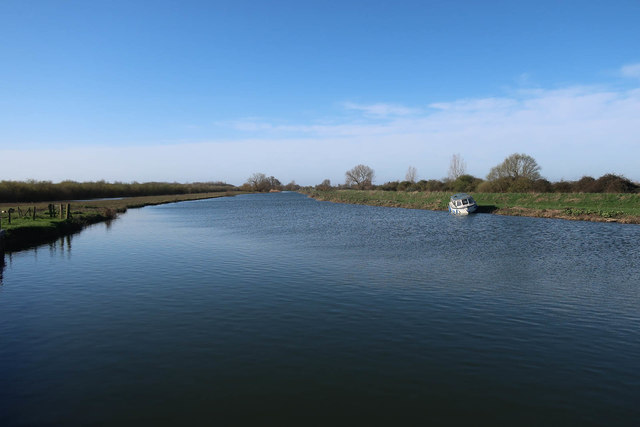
(262, 183)
(518, 173)
(39, 191)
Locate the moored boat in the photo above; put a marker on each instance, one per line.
(462, 204)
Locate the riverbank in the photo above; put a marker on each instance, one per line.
(598, 207)
(27, 230)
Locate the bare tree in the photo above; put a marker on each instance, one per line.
(457, 167)
(292, 186)
(361, 176)
(260, 182)
(324, 185)
(516, 166)
(274, 183)
(411, 174)
(257, 181)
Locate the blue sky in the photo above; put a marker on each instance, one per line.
(217, 90)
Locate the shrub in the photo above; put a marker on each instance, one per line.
(541, 186)
(405, 186)
(611, 183)
(562, 187)
(500, 185)
(465, 183)
(431, 185)
(389, 186)
(586, 184)
(521, 185)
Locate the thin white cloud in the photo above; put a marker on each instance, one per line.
(631, 70)
(326, 128)
(381, 109)
(571, 132)
(251, 125)
(470, 105)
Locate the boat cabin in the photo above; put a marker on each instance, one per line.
(462, 199)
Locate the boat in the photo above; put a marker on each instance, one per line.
(462, 204)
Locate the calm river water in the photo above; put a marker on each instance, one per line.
(276, 308)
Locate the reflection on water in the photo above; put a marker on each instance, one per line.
(62, 246)
(281, 308)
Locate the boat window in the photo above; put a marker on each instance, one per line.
(465, 201)
(458, 203)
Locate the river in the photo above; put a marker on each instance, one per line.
(276, 308)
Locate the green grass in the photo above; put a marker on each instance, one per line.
(606, 205)
(587, 206)
(414, 200)
(28, 222)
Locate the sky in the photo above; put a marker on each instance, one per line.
(188, 91)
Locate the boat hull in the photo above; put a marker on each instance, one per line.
(466, 210)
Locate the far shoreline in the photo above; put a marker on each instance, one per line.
(591, 207)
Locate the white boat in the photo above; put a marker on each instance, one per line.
(462, 204)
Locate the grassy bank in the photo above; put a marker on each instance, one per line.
(25, 231)
(624, 208)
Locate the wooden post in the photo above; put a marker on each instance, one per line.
(68, 210)
(10, 210)
(61, 210)
(34, 213)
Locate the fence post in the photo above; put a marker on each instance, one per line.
(10, 210)
(61, 210)
(68, 210)
(34, 213)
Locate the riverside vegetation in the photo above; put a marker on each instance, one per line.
(604, 207)
(513, 187)
(38, 191)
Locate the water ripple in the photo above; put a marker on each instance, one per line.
(286, 305)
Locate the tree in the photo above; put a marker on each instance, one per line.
(260, 182)
(274, 184)
(361, 176)
(514, 167)
(324, 185)
(457, 167)
(411, 174)
(292, 186)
